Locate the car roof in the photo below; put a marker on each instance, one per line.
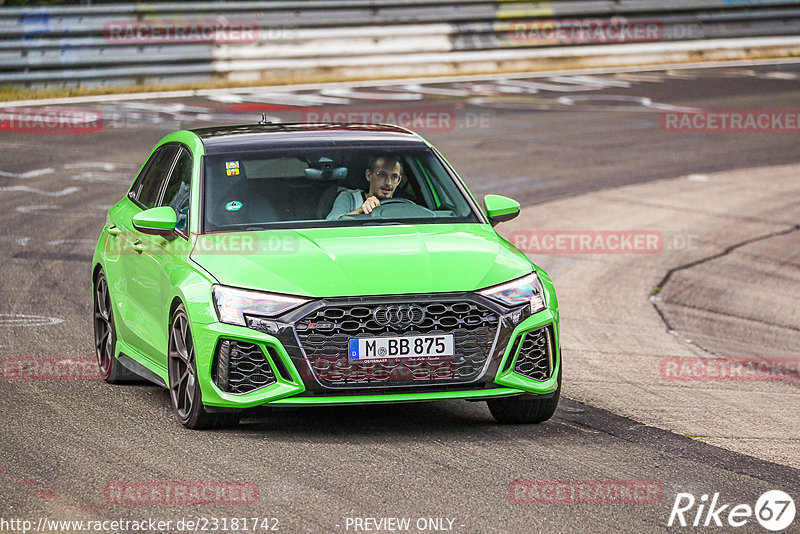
(246, 137)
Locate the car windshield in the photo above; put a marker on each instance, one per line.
(325, 187)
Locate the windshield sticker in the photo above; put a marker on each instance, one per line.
(233, 205)
(232, 168)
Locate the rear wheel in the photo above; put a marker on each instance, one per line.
(184, 389)
(105, 335)
(525, 409)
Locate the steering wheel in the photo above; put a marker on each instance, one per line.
(400, 207)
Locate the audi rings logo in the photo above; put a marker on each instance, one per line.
(403, 315)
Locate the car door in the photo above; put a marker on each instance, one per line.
(144, 194)
(150, 271)
(119, 240)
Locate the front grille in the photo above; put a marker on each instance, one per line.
(535, 359)
(324, 335)
(241, 367)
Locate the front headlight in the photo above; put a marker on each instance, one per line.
(233, 304)
(527, 289)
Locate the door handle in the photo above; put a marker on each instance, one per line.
(113, 230)
(138, 246)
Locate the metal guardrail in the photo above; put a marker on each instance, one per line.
(68, 46)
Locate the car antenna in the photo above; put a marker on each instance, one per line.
(264, 120)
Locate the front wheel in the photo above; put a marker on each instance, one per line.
(184, 389)
(525, 409)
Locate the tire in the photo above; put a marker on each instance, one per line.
(105, 335)
(525, 409)
(184, 389)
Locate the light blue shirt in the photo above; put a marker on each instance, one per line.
(347, 201)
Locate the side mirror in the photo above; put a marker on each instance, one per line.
(156, 221)
(500, 209)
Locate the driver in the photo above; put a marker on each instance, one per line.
(384, 174)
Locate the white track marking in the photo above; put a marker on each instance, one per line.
(501, 87)
(641, 77)
(35, 208)
(116, 98)
(83, 243)
(173, 108)
(435, 91)
(21, 241)
(176, 111)
(348, 92)
(618, 102)
(27, 174)
(289, 99)
(226, 99)
(18, 319)
(779, 76)
(698, 178)
(683, 74)
(64, 192)
(108, 167)
(561, 87)
(523, 102)
(590, 80)
(113, 178)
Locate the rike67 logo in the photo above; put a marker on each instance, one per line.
(774, 510)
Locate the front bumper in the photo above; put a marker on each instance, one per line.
(496, 366)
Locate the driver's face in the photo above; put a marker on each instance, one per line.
(384, 178)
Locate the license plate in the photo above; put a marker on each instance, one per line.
(372, 348)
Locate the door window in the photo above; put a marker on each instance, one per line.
(176, 194)
(148, 185)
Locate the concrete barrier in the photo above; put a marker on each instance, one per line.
(175, 43)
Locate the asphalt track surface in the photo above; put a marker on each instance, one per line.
(64, 442)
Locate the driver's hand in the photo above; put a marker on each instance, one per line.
(370, 204)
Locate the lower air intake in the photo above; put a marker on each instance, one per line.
(241, 367)
(535, 359)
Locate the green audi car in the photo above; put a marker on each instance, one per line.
(289, 265)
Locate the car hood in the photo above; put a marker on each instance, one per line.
(375, 260)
